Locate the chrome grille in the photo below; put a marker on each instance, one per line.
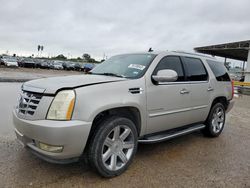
(28, 103)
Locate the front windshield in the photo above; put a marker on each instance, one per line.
(128, 65)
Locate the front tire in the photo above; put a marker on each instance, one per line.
(113, 146)
(215, 121)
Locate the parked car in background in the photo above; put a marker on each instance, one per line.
(1, 61)
(88, 67)
(51, 64)
(44, 64)
(71, 66)
(77, 66)
(242, 78)
(237, 77)
(57, 65)
(38, 62)
(28, 62)
(19, 62)
(67, 65)
(9, 61)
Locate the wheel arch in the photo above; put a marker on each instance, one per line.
(218, 99)
(131, 112)
(221, 99)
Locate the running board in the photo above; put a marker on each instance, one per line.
(170, 134)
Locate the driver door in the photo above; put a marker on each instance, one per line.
(168, 103)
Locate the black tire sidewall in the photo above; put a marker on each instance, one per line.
(95, 150)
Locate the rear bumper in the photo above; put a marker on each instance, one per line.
(230, 105)
(71, 135)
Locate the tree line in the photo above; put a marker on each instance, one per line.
(85, 58)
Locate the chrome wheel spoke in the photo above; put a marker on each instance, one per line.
(213, 121)
(214, 128)
(128, 145)
(217, 110)
(218, 127)
(113, 161)
(220, 120)
(116, 132)
(108, 142)
(219, 113)
(123, 157)
(125, 134)
(107, 155)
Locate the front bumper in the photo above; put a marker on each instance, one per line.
(72, 135)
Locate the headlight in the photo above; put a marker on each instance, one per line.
(62, 106)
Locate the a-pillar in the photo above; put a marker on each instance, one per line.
(247, 75)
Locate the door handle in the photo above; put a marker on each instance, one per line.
(184, 91)
(210, 89)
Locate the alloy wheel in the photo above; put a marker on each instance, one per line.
(218, 120)
(118, 147)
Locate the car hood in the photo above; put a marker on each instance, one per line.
(52, 85)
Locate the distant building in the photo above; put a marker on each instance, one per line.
(234, 50)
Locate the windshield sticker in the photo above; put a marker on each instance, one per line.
(136, 66)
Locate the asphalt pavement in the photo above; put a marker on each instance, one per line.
(188, 161)
(21, 74)
(8, 99)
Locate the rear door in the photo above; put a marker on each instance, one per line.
(200, 88)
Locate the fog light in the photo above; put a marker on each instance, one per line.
(50, 148)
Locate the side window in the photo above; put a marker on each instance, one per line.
(173, 63)
(219, 70)
(195, 69)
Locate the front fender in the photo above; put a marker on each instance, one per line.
(92, 100)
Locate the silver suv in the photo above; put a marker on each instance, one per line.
(126, 100)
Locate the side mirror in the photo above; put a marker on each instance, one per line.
(165, 75)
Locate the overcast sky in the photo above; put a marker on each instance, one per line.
(117, 26)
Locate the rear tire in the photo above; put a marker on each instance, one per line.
(113, 146)
(215, 121)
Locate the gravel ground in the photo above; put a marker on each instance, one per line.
(188, 161)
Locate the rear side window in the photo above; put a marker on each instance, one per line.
(173, 63)
(219, 70)
(195, 69)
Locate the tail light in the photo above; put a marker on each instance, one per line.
(232, 83)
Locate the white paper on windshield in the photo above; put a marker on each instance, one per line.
(136, 66)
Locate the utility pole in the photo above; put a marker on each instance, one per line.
(38, 49)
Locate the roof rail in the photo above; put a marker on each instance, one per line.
(193, 53)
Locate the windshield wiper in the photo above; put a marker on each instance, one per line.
(108, 74)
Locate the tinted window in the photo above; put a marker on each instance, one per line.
(173, 63)
(219, 70)
(196, 70)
